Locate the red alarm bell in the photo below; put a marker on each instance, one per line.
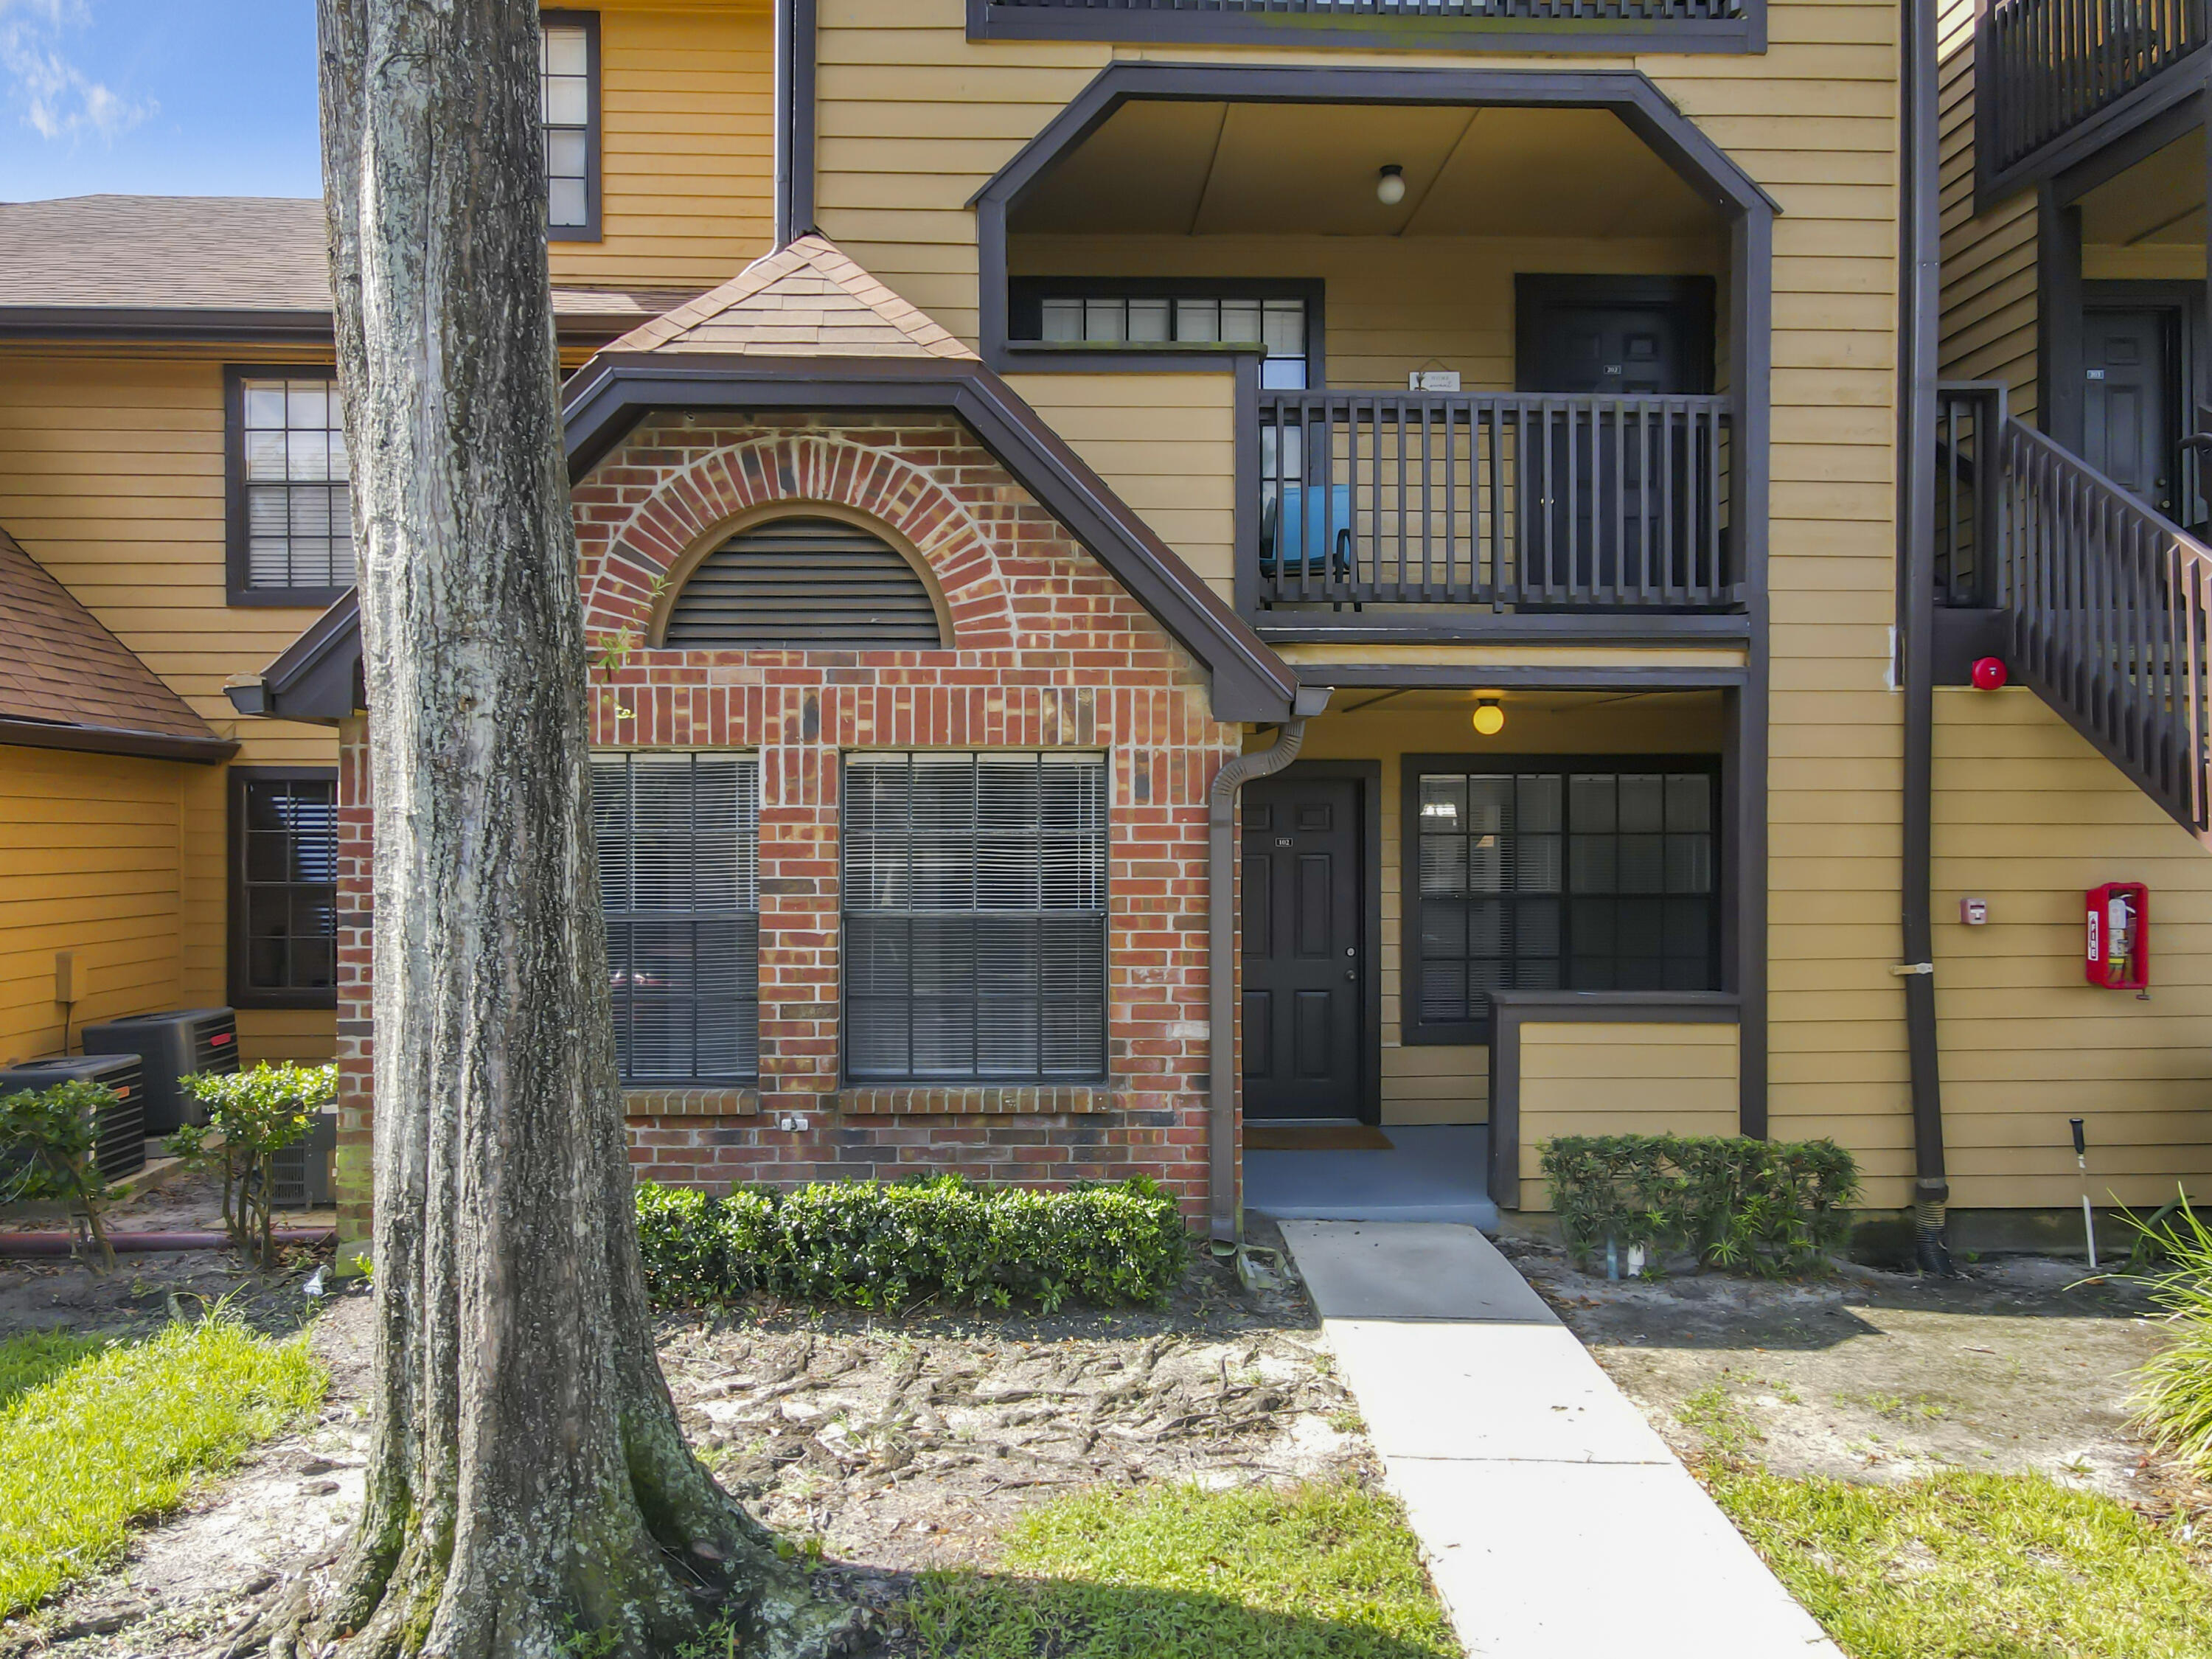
(2116, 953)
(1990, 674)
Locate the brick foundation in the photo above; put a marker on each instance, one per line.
(1048, 650)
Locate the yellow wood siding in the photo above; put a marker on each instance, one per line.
(91, 862)
(687, 147)
(111, 476)
(2028, 817)
(1988, 300)
(1579, 1079)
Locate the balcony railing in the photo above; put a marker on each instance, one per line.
(1520, 501)
(2045, 66)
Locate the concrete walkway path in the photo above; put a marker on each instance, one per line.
(1558, 1524)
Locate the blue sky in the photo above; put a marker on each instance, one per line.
(167, 97)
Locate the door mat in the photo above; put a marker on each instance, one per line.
(1315, 1138)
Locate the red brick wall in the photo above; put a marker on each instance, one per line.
(1047, 650)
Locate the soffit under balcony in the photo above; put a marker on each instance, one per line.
(2158, 202)
(1160, 167)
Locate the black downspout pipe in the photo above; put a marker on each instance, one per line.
(1919, 251)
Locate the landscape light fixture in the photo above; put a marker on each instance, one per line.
(1489, 718)
(1391, 185)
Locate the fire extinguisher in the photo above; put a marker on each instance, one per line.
(2117, 918)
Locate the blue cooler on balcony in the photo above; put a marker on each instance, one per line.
(1299, 546)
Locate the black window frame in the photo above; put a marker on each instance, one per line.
(1412, 1029)
(1030, 352)
(855, 1077)
(237, 530)
(592, 228)
(243, 993)
(736, 917)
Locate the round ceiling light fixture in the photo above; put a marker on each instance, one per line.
(1489, 717)
(1391, 185)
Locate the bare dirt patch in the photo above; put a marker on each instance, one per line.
(2017, 1366)
(891, 1443)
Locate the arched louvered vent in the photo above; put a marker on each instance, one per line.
(799, 582)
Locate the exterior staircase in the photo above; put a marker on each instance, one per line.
(2106, 605)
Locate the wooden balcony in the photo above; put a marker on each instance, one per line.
(1509, 502)
(2046, 69)
(1528, 25)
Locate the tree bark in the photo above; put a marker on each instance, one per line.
(528, 1484)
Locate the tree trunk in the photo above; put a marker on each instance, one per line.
(528, 1484)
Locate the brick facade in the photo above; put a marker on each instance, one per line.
(1047, 650)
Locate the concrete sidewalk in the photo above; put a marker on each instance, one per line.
(1556, 1524)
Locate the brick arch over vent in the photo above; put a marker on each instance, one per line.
(638, 546)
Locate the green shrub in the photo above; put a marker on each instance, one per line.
(2173, 1392)
(252, 1116)
(940, 1239)
(49, 1149)
(1764, 1207)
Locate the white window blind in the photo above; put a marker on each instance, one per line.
(1277, 326)
(679, 873)
(564, 85)
(975, 916)
(298, 508)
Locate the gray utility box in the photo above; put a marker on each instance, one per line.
(172, 1046)
(302, 1170)
(122, 1129)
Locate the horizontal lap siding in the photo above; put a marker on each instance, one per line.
(91, 852)
(915, 118)
(1600, 1080)
(1989, 280)
(2028, 817)
(111, 476)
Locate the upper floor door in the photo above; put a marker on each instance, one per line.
(2130, 360)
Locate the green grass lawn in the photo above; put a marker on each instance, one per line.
(1993, 1566)
(94, 1435)
(1173, 1572)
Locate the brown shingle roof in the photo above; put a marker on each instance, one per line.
(213, 254)
(808, 301)
(59, 667)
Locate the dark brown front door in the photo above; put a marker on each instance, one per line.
(1304, 977)
(2128, 402)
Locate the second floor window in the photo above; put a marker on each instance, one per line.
(1050, 311)
(291, 530)
(567, 85)
(679, 878)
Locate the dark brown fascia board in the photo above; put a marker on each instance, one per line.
(197, 325)
(1511, 1010)
(2156, 99)
(611, 394)
(115, 740)
(1655, 629)
(318, 678)
(1516, 676)
(1158, 25)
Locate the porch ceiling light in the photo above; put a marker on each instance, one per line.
(1489, 718)
(1391, 185)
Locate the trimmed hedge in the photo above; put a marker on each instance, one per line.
(938, 1239)
(1765, 1206)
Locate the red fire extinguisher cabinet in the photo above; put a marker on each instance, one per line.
(2117, 936)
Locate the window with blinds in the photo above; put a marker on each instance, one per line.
(1559, 878)
(566, 44)
(284, 887)
(975, 917)
(1148, 314)
(679, 876)
(289, 440)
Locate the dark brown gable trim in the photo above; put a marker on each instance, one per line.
(990, 21)
(111, 740)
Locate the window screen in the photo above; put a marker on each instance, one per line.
(293, 472)
(679, 838)
(1135, 320)
(975, 916)
(564, 85)
(1561, 879)
(284, 889)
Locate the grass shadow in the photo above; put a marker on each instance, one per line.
(28, 1361)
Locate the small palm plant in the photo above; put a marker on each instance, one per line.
(252, 1116)
(48, 1148)
(2173, 1392)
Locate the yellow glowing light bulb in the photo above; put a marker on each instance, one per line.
(1489, 718)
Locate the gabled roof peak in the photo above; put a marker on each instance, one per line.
(807, 299)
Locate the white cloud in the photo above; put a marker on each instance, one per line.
(47, 92)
